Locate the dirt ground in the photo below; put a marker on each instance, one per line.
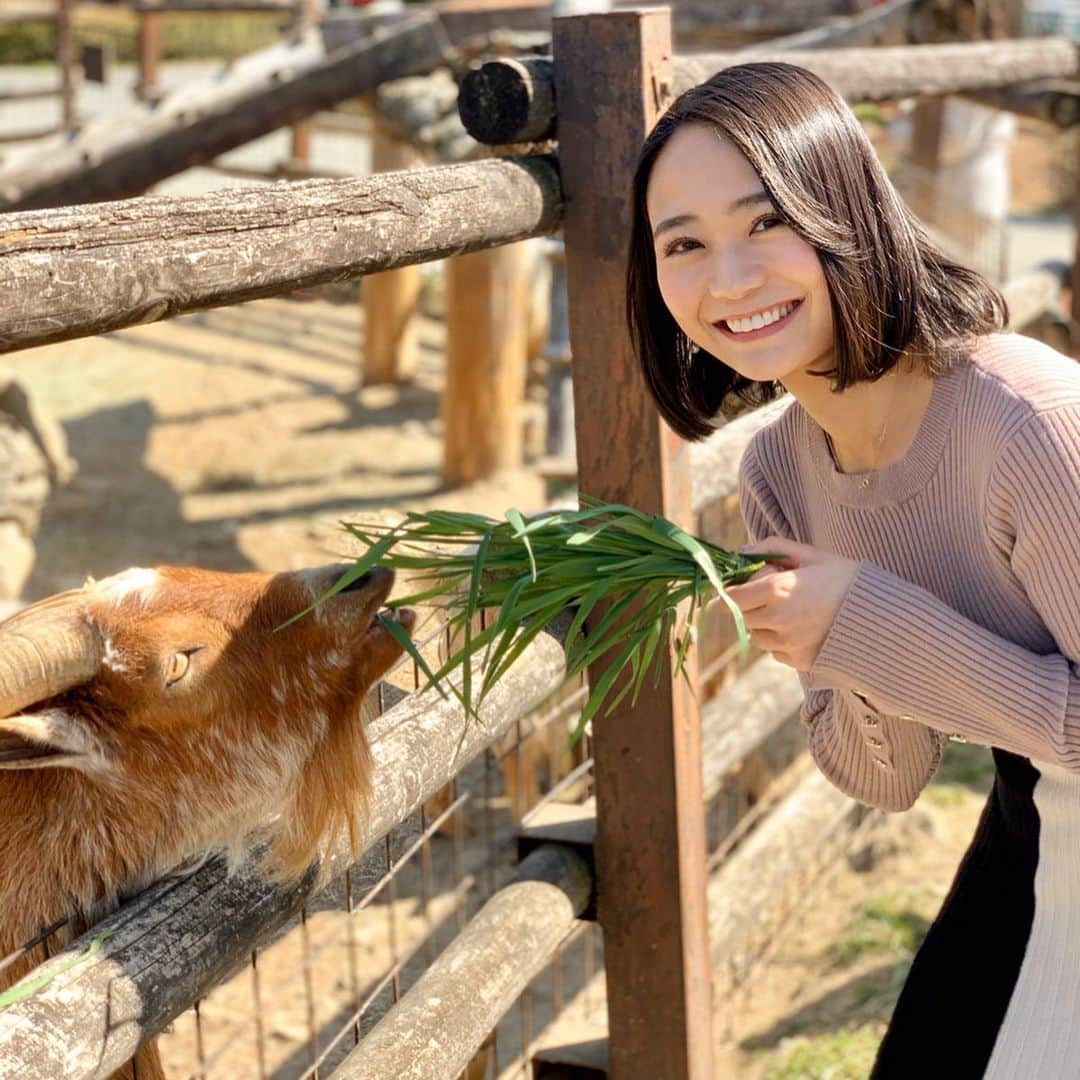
(234, 439)
(819, 1003)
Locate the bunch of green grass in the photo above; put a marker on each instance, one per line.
(633, 570)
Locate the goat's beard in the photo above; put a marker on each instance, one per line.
(329, 799)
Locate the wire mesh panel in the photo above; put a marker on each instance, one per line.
(302, 1001)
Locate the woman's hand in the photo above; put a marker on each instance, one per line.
(789, 606)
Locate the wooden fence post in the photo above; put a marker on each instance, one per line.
(65, 49)
(927, 137)
(486, 353)
(307, 14)
(1074, 281)
(149, 53)
(390, 300)
(613, 74)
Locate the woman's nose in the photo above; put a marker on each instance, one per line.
(733, 275)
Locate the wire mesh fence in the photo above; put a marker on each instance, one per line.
(304, 999)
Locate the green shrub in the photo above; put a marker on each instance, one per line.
(27, 43)
(836, 1055)
(184, 36)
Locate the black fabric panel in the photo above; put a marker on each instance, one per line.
(952, 1005)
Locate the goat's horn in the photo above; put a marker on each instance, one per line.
(45, 649)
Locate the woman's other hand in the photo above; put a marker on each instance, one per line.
(789, 606)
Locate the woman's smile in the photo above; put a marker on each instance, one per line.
(761, 324)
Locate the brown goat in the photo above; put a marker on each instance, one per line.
(157, 714)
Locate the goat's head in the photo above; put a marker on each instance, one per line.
(181, 685)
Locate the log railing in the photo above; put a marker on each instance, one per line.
(172, 944)
(84, 270)
(510, 101)
(260, 94)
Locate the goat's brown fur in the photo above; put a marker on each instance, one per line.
(262, 731)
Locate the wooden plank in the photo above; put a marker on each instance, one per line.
(197, 123)
(611, 74)
(65, 59)
(172, 944)
(443, 1020)
(927, 132)
(222, 6)
(31, 93)
(884, 24)
(1055, 101)
(88, 269)
(486, 361)
(880, 74)
(149, 47)
(465, 19)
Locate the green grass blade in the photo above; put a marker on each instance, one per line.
(32, 986)
(518, 522)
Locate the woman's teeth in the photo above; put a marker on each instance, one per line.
(762, 318)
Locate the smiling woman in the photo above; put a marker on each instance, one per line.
(922, 494)
(760, 189)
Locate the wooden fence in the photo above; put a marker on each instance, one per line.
(60, 15)
(674, 939)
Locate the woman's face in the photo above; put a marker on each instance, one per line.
(738, 281)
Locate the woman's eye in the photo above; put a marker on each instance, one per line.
(178, 667)
(769, 221)
(677, 247)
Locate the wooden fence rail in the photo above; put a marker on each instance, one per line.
(262, 93)
(508, 101)
(439, 1025)
(172, 944)
(84, 270)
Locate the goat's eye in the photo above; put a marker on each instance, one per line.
(177, 669)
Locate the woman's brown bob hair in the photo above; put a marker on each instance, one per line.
(892, 290)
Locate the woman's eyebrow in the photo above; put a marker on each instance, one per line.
(673, 223)
(750, 200)
(740, 203)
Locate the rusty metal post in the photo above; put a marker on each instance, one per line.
(65, 58)
(613, 74)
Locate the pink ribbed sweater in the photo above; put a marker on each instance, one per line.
(964, 616)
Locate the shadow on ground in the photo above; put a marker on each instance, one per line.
(97, 525)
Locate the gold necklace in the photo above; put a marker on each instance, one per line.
(868, 479)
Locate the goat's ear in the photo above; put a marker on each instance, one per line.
(50, 739)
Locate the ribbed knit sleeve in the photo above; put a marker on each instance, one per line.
(879, 759)
(911, 653)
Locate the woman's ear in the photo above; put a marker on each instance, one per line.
(50, 739)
